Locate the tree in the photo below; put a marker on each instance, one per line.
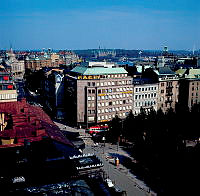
(115, 129)
(128, 126)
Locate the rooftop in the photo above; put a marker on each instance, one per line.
(98, 68)
(189, 73)
(165, 71)
(22, 121)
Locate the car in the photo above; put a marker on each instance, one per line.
(109, 182)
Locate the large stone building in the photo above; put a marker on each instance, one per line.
(97, 91)
(168, 88)
(36, 63)
(46, 60)
(145, 95)
(17, 66)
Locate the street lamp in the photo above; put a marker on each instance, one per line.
(104, 140)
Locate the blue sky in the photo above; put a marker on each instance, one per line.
(83, 24)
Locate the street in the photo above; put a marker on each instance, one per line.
(119, 175)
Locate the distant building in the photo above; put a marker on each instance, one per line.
(52, 87)
(189, 93)
(145, 95)
(168, 88)
(97, 91)
(36, 63)
(68, 58)
(105, 53)
(17, 66)
(163, 61)
(55, 59)
(8, 91)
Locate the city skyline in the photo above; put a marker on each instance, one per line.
(89, 24)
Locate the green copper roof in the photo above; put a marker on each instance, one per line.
(193, 73)
(98, 70)
(181, 71)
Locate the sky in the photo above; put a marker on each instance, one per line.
(88, 24)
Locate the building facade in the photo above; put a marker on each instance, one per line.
(145, 95)
(8, 91)
(37, 63)
(168, 89)
(99, 91)
(17, 66)
(52, 87)
(189, 91)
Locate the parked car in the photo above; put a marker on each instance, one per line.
(109, 182)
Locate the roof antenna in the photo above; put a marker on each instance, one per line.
(193, 50)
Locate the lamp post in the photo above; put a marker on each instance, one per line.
(104, 140)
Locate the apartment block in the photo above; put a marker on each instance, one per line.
(145, 95)
(98, 91)
(168, 88)
(52, 86)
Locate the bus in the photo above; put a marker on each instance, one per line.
(97, 129)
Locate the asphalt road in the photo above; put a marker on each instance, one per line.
(120, 175)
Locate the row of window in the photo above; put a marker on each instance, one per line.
(128, 107)
(8, 96)
(145, 89)
(193, 94)
(144, 103)
(106, 97)
(109, 83)
(106, 117)
(152, 95)
(110, 90)
(91, 105)
(197, 88)
(5, 78)
(91, 111)
(120, 102)
(195, 83)
(6, 87)
(167, 104)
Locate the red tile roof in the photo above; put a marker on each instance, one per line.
(30, 122)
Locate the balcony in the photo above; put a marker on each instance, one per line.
(169, 101)
(169, 94)
(169, 87)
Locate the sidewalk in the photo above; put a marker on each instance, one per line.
(120, 175)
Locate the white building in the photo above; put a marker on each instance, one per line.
(144, 95)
